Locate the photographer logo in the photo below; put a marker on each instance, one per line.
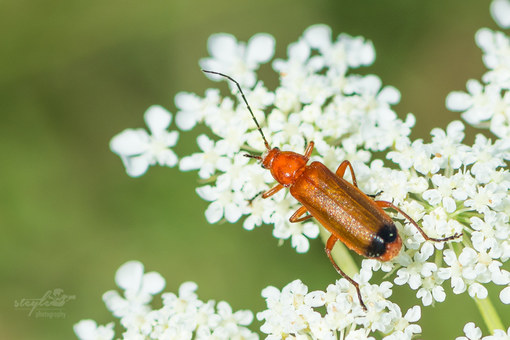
(50, 305)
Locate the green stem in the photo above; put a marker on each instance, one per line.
(341, 255)
(489, 314)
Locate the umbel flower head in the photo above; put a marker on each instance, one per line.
(447, 186)
(182, 316)
(294, 311)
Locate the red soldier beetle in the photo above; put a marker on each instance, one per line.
(350, 215)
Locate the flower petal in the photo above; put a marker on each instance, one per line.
(129, 275)
(318, 36)
(158, 119)
(504, 296)
(136, 166)
(153, 283)
(390, 95)
(214, 212)
(115, 303)
(500, 11)
(260, 48)
(167, 158)
(130, 142)
(222, 46)
(458, 101)
(299, 51)
(300, 242)
(85, 329)
(413, 314)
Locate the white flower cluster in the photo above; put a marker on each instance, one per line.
(182, 316)
(447, 186)
(487, 104)
(451, 188)
(346, 115)
(295, 313)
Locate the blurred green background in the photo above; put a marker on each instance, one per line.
(75, 73)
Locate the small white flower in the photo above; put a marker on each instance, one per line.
(345, 52)
(438, 224)
(490, 233)
(478, 102)
(486, 158)
(447, 192)
(496, 48)
(472, 332)
(258, 208)
(292, 69)
(193, 109)
(138, 150)
(139, 287)
(447, 146)
(237, 59)
(242, 317)
(89, 330)
(431, 290)
(482, 197)
(470, 270)
(483, 106)
(284, 314)
(421, 276)
(206, 161)
(225, 202)
(404, 328)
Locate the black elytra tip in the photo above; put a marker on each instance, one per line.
(387, 234)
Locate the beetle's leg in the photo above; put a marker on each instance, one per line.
(272, 191)
(329, 246)
(296, 216)
(309, 149)
(375, 195)
(341, 171)
(386, 204)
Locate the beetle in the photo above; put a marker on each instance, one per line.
(350, 215)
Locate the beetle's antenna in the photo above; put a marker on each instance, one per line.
(247, 105)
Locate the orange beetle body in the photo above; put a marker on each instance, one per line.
(346, 212)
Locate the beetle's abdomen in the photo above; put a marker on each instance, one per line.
(347, 213)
